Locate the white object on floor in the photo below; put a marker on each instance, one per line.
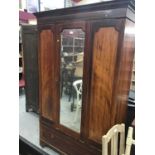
(129, 141)
(78, 87)
(112, 136)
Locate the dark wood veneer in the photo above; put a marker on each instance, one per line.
(65, 143)
(87, 8)
(108, 56)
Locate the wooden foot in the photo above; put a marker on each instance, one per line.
(42, 144)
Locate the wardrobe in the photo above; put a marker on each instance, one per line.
(93, 44)
(30, 55)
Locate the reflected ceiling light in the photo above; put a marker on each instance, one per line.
(129, 30)
(71, 32)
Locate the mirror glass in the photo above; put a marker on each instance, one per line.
(72, 52)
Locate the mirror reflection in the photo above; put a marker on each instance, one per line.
(72, 51)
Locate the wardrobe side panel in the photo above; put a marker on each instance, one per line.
(124, 73)
(102, 78)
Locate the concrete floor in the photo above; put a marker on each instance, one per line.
(29, 126)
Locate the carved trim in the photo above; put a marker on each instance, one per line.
(91, 7)
(45, 27)
(117, 24)
(61, 27)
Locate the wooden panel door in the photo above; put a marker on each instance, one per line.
(104, 56)
(48, 76)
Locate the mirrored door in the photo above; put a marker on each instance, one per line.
(71, 75)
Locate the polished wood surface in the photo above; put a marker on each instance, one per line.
(104, 58)
(64, 143)
(124, 72)
(106, 73)
(47, 73)
(118, 9)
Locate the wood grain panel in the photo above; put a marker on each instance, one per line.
(104, 58)
(47, 74)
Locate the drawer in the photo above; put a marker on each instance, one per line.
(65, 143)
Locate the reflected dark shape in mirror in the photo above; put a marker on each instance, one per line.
(72, 51)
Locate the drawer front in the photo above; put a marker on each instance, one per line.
(65, 143)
